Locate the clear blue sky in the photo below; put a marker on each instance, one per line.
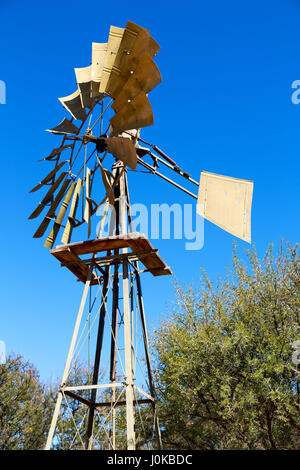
(224, 106)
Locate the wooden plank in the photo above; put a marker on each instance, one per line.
(69, 254)
(152, 261)
(74, 264)
(99, 244)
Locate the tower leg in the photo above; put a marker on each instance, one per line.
(148, 359)
(128, 361)
(89, 435)
(69, 359)
(123, 204)
(145, 335)
(113, 350)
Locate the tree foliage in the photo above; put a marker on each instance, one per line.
(224, 371)
(224, 366)
(24, 406)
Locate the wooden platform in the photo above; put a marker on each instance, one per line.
(69, 255)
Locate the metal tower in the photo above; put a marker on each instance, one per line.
(118, 274)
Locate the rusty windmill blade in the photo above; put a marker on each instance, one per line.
(106, 178)
(123, 149)
(87, 208)
(64, 127)
(144, 44)
(129, 36)
(55, 153)
(73, 104)
(84, 82)
(98, 57)
(46, 221)
(71, 217)
(145, 77)
(113, 44)
(60, 217)
(135, 114)
(48, 196)
(48, 177)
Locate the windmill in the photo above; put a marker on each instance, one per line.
(88, 171)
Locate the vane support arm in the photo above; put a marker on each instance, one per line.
(153, 170)
(164, 159)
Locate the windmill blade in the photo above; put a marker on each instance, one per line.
(138, 113)
(134, 135)
(106, 176)
(113, 44)
(55, 153)
(129, 36)
(98, 57)
(87, 208)
(71, 217)
(59, 219)
(48, 177)
(84, 82)
(73, 104)
(123, 149)
(146, 77)
(226, 202)
(144, 44)
(48, 196)
(64, 127)
(41, 230)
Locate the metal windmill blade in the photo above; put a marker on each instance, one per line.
(48, 196)
(113, 44)
(64, 127)
(134, 114)
(74, 105)
(145, 77)
(54, 155)
(84, 82)
(99, 51)
(129, 37)
(49, 176)
(71, 217)
(60, 217)
(47, 219)
(143, 44)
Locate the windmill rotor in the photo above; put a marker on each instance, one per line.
(121, 75)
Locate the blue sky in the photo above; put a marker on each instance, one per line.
(224, 106)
